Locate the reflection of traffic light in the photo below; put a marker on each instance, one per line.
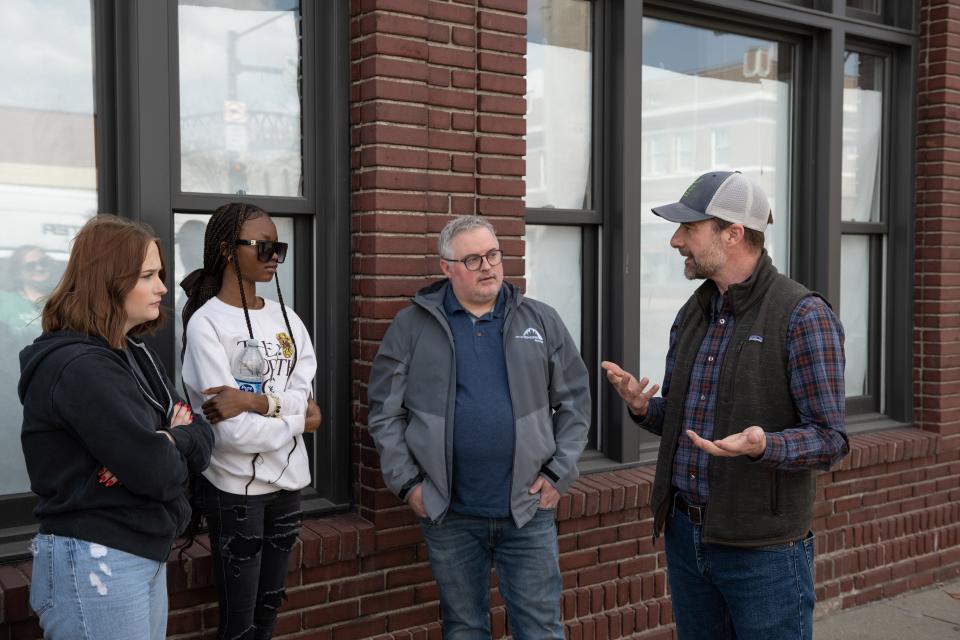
(238, 177)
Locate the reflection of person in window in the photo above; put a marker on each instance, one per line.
(30, 275)
(190, 255)
(30, 278)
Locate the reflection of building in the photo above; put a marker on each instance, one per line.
(48, 177)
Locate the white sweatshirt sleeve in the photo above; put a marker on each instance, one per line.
(206, 365)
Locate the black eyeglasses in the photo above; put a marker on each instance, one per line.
(266, 249)
(473, 261)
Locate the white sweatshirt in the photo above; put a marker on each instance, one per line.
(214, 332)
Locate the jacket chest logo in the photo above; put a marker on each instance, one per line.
(530, 334)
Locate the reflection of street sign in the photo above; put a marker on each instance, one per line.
(234, 111)
(235, 137)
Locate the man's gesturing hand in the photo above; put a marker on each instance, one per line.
(634, 392)
(752, 442)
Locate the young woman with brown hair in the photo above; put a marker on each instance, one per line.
(248, 364)
(108, 444)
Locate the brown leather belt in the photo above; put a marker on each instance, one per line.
(694, 513)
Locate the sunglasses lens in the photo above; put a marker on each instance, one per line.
(266, 250)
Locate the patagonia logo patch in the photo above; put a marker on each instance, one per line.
(755, 338)
(530, 334)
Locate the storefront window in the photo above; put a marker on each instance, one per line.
(559, 113)
(861, 259)
(48, 180)
(554, 266)
(728, 97)
(240, 98)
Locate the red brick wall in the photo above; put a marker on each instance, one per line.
(937, 313)
(437, 124)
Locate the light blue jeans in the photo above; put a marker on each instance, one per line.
(462, 549)
(721, 592)
(85, 591)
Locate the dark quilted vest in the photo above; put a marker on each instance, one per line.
(750, 504)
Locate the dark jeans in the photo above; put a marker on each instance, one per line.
(462, 549)
(250, 540)
(721, 592)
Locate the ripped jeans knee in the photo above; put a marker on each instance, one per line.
(251, 538)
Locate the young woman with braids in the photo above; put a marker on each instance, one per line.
(249, 494)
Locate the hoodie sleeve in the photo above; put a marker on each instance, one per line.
(205, 365)
(195, 440)
(92, 398)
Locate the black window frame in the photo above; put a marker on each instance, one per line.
(138, 175)
(822, 34)
(589, 221)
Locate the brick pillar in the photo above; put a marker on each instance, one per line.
(937, 311)
(437, 113)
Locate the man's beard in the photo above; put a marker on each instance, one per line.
(707, 266)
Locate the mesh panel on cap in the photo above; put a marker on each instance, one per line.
(738, 200)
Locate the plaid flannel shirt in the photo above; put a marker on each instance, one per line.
(815, 370)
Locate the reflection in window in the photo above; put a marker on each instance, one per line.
(684, 152)
(240, 106)
(720, 149)
(559, 94)
(854, 312)
(729, 95)
(870, 6)
(862, 120)
(553, 271)
(48, 180)
(188, 230)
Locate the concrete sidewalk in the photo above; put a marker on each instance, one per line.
(930, 614)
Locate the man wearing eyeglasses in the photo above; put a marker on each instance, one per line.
(479, 408)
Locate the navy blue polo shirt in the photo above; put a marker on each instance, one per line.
(483, 429)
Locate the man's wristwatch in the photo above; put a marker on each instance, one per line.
(410, 484)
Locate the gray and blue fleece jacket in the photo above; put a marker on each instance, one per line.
(412, 396)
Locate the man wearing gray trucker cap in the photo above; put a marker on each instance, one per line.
(752, 404)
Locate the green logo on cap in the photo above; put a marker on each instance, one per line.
(690, 188)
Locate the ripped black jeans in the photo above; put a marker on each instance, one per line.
(250, 540)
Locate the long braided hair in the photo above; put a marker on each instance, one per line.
(219, 250)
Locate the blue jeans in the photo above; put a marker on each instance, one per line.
(83, 590)
(462, 549)
(721, 592)
(250, 542)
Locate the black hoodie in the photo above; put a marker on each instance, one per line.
(84, 407)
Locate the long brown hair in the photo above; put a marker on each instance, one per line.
(104, 264)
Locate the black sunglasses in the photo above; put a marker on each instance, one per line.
(36, 265)
(266, 249)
